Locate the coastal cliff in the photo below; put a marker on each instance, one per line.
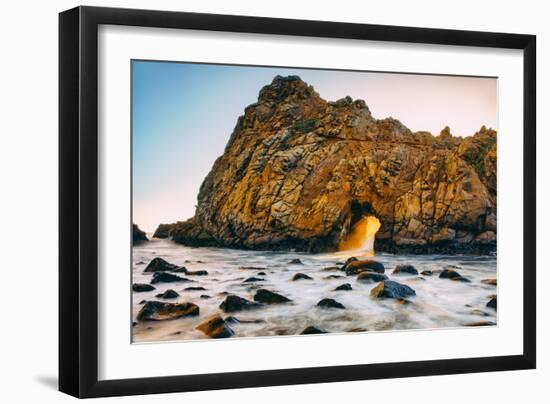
(299, 172)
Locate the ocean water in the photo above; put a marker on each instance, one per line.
(439, 303)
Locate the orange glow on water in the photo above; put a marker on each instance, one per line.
(361, 236)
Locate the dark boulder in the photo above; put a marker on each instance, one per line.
(492, 303)
(142, 287)
(205, 297)
(216, 327)
(194, 288)
(427, 273)
(253, 279)
(355, 267)
(157, 311)
(345, 286)
(371, 277)
(453, 275)
(492, 282)
(392, 290)
(138, 235)
(313, 330)
(327, 303)
(158, 264)
(481, 323)
(296, 261)
(168, 294)
(164, 277)
(405, 269)
(234, 303)
(261, 273)
(269, 297)
(299, 276)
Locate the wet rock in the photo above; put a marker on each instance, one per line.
(355, 267)
(191, 273)
(168, 294)
(253, 279)
(216, 327)
(164, 277)
(158, 264)
(334, 268)
(138, 235)
(333, 277)
(143, 301)
(480, 324)
(371, 277)
(142, 287)
(492, 303)
(300, 276)
(313, 330)
(345, 286)
(269, 297)
(492, 282)
(477, 312)
(327, 303)
(163, 230)
(392, 290)
(205, 297)
(158, 311)
(296, 261)
(235, 320)
(261, 273)
(453, 275)
(194, 288)
(234, 303)
(253, 268)
(405, 269)
(427, 272)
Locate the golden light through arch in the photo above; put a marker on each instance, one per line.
(362, 235)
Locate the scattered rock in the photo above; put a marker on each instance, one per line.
(234, 303)
(313, 330)
(216, 327)
(299, 276)
(253, 279)
(296, 261)
(194, 288)
(266, 296)
(405, 269)
(235, 320)
(355, 267)
(142, 287)
(143, 302)
(480, 324)
(371, 277)
(253, 268)
(168, 294)
(261, 273)
(327, 303)
(393, 290)
(138, 235)
(427, 272)
(492, 282)
(333, 277)
(157, 311)
(191, 273)
(477, 312)
(158, 264)
(345, 286)
(205, 297)
(492, 303)
(334, 268)
(452, 275)
(165, 277)
(357, 329)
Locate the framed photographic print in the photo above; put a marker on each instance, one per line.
(251, 201)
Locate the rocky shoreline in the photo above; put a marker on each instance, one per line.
(299, 173)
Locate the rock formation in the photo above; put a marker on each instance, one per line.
(138, 235)
(299, 173)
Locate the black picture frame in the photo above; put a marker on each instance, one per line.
(78, 201)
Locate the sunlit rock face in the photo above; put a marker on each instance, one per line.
(300, 172)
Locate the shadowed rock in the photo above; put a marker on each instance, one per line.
(158, 264)
(158, 311)
(492, 282)
(453, 275)
(216, 327)
(492, 303)
(313, 330)
(296, 261)
(480, 324)
(405, 269)
(371, 277)
(168, 294)
(164, 277)
(345, 286)
(333, 277)
(194, 288)
(427, 272)
(300, 276)
(142, 287)
(355, 267)
(234, 303)
(327, 303)
(269, 297)
(138, 235)
(392, 290)
(253, 279)
(163, 230)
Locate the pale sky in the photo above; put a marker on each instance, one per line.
(184, 113)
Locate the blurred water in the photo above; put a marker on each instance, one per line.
(438, 302)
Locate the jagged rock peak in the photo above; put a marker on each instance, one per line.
(289, 87)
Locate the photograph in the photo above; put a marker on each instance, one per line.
(281, 201)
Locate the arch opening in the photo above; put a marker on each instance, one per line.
(362, 228)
